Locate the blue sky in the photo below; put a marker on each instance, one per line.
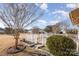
(54, 13)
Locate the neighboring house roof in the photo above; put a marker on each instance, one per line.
(36, 30)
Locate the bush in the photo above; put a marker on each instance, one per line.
(61, 45)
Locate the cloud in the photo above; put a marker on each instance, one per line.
(42, 21)
(61, 12)
(59, 16)
(71, 5)
(54, 22)
(2, 24)
(43, 6)
(45, 23)
(28, 27)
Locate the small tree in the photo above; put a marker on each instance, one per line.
(61, 45)
(48, 28)
(18, 16)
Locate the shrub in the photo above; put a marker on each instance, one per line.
(61, 45)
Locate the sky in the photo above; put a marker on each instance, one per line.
(54, 13)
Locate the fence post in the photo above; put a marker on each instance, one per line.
(78, 40)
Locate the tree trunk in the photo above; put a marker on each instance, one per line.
(16, 43)
(17, 34)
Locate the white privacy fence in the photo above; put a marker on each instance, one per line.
(41, 38)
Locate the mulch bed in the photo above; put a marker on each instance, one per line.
(13, 50)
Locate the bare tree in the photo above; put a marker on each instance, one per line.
(18, 16)
(64, 25)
